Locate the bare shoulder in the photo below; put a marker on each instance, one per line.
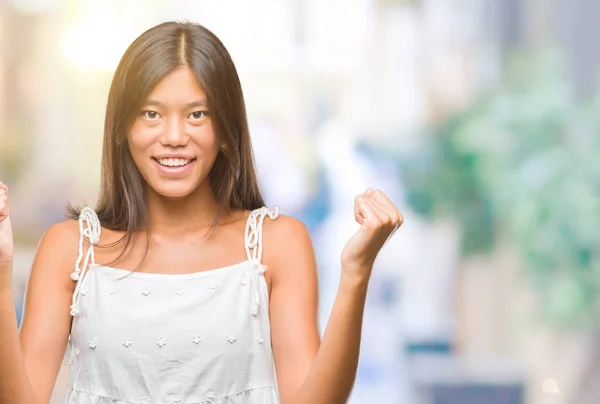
(285, 226)
(59, 245)
(287, 239)
(67, 230)
(285, 234)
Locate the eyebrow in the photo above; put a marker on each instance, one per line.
(199, 103)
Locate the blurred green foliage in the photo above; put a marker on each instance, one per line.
(523, 164)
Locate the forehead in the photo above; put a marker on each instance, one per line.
(179, 86)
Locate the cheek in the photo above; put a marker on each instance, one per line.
(206, 139)
(139, 140)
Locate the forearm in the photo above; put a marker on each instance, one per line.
(14, 383)
(333, 372)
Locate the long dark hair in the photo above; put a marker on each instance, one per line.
(154, 54)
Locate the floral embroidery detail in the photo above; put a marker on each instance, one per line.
(112, 291)
(231, 339)
(127, 343)
(145, 400)
(145, 291)
(211, 397)
(76, 352)
(196, 340)
(69, 362)
(93, 343)
(260, 339)
(176, 399)
(179, 292)
(84, 291)
(213, 286)
(161, 342)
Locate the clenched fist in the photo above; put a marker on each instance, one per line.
(6, 236)
(379, 218)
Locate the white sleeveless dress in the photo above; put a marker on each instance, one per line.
(145, 338)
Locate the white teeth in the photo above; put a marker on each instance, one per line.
(173, 162)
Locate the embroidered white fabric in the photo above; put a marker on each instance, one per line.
(146, 338)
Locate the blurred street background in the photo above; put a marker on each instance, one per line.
(479, 118)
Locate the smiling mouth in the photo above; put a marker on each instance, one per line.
(173, 162)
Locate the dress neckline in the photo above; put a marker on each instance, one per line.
(158, 275)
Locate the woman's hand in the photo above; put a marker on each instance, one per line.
(379, 219)
(6, 236)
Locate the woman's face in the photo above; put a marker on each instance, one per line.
(172, 140)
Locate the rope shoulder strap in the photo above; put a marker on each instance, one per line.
(254, 248)
(254, 229)
(89, 227)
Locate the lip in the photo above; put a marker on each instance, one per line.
(174, 171)
(174, 156)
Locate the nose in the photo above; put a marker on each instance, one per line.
(174, 134)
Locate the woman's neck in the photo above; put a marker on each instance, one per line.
(181, 216)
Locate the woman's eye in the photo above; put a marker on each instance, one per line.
(150, 114)
(198, 114)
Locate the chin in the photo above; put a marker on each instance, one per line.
(176, 192)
